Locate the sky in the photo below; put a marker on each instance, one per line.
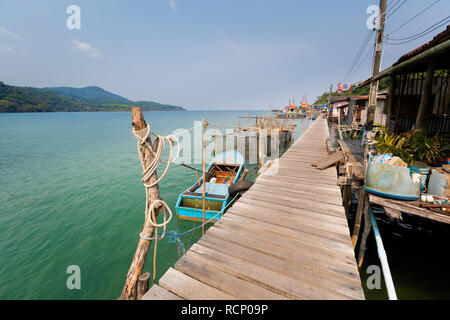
(202, 54)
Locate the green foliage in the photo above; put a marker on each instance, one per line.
(24, 99)
(413, 146)
(91, 94)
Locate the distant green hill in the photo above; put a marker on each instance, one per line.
(26, 99)
(91, 94)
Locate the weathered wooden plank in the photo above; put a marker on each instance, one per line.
(316, 267)
(190, 288)
(310, 172)
(308, 248)
(329, 173)
(158, 293)
(274, 281)
(331, 234)
(302, 179)
(224, 281)
(328, 161)
(331, 190)
(305, 165)
(290, 233)
(291, 213)
(296, 222)
(305, 203)
(298, 193)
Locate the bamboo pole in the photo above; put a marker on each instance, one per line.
(205, 125)
(129, 291)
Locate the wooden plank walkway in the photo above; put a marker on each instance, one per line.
(285, 238)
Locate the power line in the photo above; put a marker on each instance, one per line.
(417, 36)
(391, 10)
(421, 12)
(357, 66)
(392, 6)
(359, 53)
(401, 5)
(443, 21)
(363, 60)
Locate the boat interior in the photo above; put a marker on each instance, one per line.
(218, 173)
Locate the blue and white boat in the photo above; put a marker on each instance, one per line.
(225, 169)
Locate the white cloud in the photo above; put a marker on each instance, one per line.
(172, 5)
(5, 31)
(87, 48)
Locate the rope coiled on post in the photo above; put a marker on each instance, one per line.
(151, 207)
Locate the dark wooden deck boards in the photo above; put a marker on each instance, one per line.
(286, 238)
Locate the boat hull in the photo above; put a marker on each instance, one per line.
(190, 203)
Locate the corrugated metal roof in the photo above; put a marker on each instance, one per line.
(339, 104)
(439, 38)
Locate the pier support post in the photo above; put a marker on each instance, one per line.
(346, 197)
(205, 126)
(362, 198)
(129, 291)
(142, 286)
(262, 143)
(367, 227)
(426, 94)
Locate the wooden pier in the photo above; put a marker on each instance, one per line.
(285, 238)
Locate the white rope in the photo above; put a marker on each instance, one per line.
(147, 173)
(151, 206)
(152, 218)
(160, 143)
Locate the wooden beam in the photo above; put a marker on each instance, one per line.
(391, 101)
(410, 208)
(362, 198)
(328, 161)
(367, 227)
(426, 94)
(129, 291)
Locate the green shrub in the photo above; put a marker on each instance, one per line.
(413, 146)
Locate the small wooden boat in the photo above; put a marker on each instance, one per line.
(224, 170)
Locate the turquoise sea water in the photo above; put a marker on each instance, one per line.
(71, 195)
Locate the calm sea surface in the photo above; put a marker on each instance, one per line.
(70, 194)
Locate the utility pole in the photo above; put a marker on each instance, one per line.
(377, 54)
(329, 98)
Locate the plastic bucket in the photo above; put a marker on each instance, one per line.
(422, 173)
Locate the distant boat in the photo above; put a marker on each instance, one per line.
(223, 171)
